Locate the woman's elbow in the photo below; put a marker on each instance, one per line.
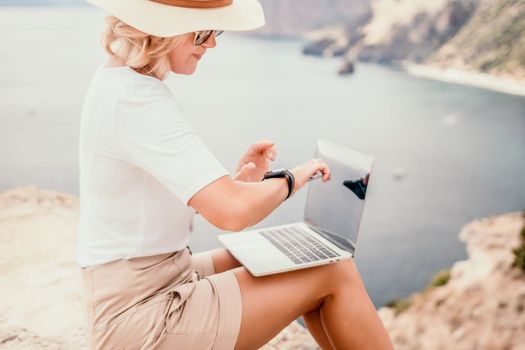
(233, 226)
(223, 204)
(234, 220)
(228, 217)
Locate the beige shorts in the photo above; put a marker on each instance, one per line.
(166, 301)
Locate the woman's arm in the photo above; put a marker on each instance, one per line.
(235, 205)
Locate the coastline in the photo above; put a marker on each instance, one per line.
(464, 77)
(478, 303)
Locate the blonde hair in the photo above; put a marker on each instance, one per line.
(146, 53)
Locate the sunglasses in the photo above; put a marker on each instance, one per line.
(202, 35)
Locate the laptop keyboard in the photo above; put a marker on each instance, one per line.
(298, 245)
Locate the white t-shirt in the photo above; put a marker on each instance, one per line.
(140, 162)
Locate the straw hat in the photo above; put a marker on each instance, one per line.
(167, 18)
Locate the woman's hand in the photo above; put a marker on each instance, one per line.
(303, 172)
(255, 161)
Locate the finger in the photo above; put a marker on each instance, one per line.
(326, 173)
(245, 167)
(260, 146)
(317, 175)
(248, 166)
(240, 164)
(323, 167)
(271, 153)
(326, 177)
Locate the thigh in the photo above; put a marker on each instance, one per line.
(270, 303)
(213, 261)
(203, 263)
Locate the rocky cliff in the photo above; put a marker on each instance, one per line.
(480, 305)
(471, 35)
(411, 30)
(492, 41)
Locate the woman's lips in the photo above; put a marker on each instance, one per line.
(197, 56)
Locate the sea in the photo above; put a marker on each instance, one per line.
(445, 154)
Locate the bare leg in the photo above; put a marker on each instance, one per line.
(350, 318)
(223, 260)
(271, 302)
(316, 328)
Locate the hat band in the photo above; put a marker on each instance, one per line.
(195, 3)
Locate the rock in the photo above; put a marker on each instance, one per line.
(471, 36)
(318, 48)
(37, 230)
(293, 337)
(327, 43)
(481, 305)
(346, 68)
(407, 30)
(492, 41)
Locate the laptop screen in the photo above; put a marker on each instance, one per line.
(334, 208)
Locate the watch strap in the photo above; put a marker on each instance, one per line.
(279, 173)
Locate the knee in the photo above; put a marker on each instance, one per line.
(344, 273)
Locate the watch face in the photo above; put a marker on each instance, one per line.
(275, 173)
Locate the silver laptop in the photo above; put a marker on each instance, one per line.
(330, 225)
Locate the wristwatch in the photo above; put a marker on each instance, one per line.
(282, 172)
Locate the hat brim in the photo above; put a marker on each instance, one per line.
(166, 21)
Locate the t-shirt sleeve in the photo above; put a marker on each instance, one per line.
(153, 133)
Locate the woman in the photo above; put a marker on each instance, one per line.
(144, 173)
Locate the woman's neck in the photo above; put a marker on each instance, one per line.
(113, 62)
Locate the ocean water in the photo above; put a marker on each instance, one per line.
(445, 154)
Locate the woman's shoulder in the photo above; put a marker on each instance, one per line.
(133, 86)
(141, 95)
(128, 75)
(147, 86)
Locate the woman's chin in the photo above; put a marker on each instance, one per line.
(188, 71)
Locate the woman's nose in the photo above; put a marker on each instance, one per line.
(210, 43)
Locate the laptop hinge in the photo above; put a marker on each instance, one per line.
(335, 239)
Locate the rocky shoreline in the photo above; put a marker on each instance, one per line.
(482, 303)
(504, 84)
(470, 42)
(480, 306)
